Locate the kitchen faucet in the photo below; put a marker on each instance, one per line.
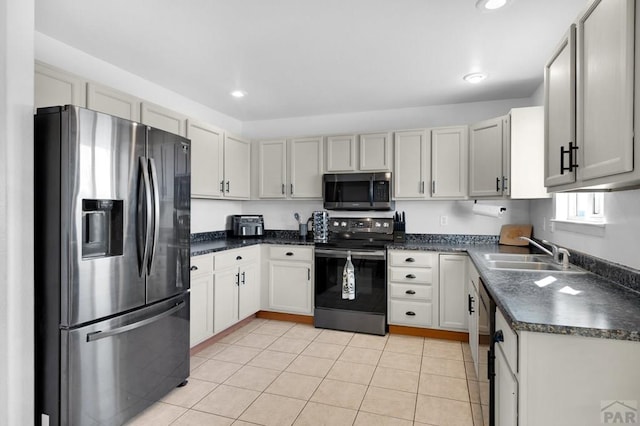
(555, 251)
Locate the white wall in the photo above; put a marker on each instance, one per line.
(423, 217)
(58, 54)
(16, 212)
(375, 121)
(620, 242)
(211, 215)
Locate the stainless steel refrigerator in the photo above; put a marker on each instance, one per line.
(112, 209)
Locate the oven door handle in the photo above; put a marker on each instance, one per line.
(342, 254)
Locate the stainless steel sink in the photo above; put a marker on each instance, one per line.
(531, 266)
(518, 257)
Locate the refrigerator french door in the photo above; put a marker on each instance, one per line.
(112, 206)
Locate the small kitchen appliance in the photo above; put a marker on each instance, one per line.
(357, 191)
(247, 225)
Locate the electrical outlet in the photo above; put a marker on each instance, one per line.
(444, 220)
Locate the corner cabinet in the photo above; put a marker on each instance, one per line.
(602, 155)
(290, 279)
(486, 152)
(453, 292)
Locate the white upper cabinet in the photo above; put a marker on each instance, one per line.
(163, 118)
(411, 165)
(237, 165)
(272, 170)
(305, 168)
(605, 89)
(486, 178)
(375, 152)
(341, 153)
(207, 152)
(56, 87)
(560, 112)
(113, 102)
(602, 154)
(449, 147)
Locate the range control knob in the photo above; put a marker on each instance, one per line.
(343, 224)
(336, 223)
(385, 225)
(378, 225)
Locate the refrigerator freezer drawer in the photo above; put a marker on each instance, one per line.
(114, 369)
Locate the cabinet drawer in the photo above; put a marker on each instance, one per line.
(201, 265)
(412, 258)
(236, 257)
(291, 253)
(400, 312)
(411, 291)
(411, 275)
(510, 344)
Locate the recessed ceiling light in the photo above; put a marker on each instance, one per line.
(474, 77)
(490, 4)
(238, 93)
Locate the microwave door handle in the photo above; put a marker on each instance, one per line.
(156, 213)
(371, 190)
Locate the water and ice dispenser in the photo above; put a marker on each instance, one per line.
(102, 228)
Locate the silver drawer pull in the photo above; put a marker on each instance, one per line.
(410, 276)
(410, 313)
(410, 292)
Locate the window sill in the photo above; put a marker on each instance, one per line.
(595, 229)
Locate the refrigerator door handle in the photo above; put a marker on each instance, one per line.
(156, 213)
(97, 335)
(147, 200)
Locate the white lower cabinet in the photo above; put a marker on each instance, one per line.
(290, 279)
(236, 287)
(506, 391)
(412, 287)
(201, 323)
(453, 292)
(473, 311)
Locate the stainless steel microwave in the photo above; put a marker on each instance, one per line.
(357, 191)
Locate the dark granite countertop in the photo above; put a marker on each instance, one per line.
(206, 247)
(602, 309)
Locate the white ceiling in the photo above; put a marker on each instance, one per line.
(313, 57)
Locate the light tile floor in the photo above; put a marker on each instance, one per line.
(282, 373)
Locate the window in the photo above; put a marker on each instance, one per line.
(584, 207)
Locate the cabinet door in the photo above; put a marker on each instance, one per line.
(341, 153)
(485, 158)
(113, 102)
(411, 165)
(305, 162)
(290, 287)
(249, 291)
(56, 87)
(272, 171)
(206, 160)
(225, 312)
(605, 89)
(201, 322)
(162, 118)
(453, 292)
(506, 392)
(375, 151)
(449, 148)
(560, 111)
(237, 159)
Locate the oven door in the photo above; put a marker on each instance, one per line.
(370, 278)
